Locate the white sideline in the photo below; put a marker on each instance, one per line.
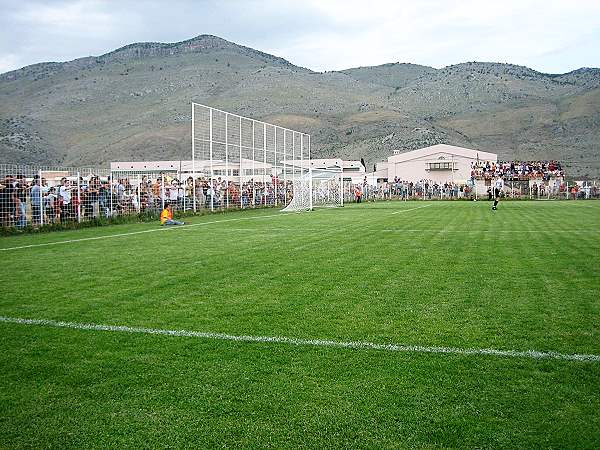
(425, 230)
(358, 345)
(412, 209)
(153, 230)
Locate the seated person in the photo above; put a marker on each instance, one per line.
(166, 216)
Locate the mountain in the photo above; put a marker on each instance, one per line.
(134, 104)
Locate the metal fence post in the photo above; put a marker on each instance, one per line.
(264, 169)
(42, 206)
(275, 163)
(111, 183)
(162, 191)
(284, 169)
(212, 189)
(226, 164)
(240, 173)
(78, 198)
(253, 166)
(193, 158)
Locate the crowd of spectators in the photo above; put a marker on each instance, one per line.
(404, 190)
(517, 170)
(34, 201)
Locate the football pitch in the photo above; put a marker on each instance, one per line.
(378, 325)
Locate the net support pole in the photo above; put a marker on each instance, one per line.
(193, 158)
(293, 159)
(341, 189)
(310, 189)
(240, 173)
(253, 166)
(212, 187)
(275, 163)
(302, 152)
(264, 164)
(226, 164)
(284, 169)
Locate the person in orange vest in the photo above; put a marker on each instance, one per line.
(357, 194)
(166, 216)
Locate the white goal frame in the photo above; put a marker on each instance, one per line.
(317, 188)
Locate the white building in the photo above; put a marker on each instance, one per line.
(439, 163)
(250, 169)
(351, 170)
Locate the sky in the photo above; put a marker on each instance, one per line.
(549, 36)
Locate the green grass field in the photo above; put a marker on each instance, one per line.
(449, 275)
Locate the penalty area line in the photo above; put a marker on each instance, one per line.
(357, 345)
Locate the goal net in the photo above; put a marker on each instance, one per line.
(317, 188)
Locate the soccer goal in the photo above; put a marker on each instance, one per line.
(317, 188)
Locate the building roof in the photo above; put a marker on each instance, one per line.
(183, 165)
(443, 148)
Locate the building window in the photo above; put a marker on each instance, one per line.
(446, 165)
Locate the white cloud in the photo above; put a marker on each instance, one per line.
(547, 35)
(440, 33)
(79, 17)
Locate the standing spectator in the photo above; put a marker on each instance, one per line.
(45, 189)
(7, 201)
(36, 201)
(104, 199)
(174, 193)
(156, 192)
(64, 199)
(357, 194)
(92, 203)
(76, 203)
(21, 188)
(51, 205)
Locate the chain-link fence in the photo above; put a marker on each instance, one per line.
(534, 189)
(32, 196)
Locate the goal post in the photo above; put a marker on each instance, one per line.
(317, 188)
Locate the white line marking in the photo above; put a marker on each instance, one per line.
(153, 230)
(391, 230)
(399, 230)
(359, 345)
(412, 209)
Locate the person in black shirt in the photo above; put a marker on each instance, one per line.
(7, 201)
(21, 189)
(92, 194)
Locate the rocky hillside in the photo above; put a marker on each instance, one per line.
(134, 103)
